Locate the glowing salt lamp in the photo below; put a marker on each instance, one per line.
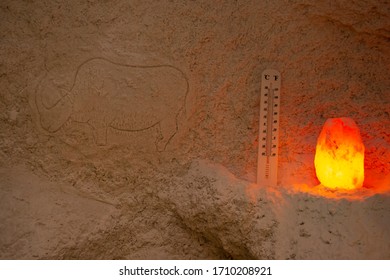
(339, 158)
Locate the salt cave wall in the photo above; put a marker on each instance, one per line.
(105, 95)
(333, 56)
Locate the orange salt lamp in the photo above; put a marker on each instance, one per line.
(339, 158)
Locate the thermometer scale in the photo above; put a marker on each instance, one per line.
(269, 129)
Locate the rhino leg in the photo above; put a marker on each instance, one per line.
(100, 134)
(168, 129)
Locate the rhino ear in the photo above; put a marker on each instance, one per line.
(53, 105)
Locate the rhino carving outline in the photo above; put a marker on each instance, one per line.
(108, 95)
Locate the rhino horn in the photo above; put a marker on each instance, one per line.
(53, 104)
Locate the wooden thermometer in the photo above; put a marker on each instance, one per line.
(267, 165)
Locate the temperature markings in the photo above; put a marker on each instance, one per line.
(269, 128)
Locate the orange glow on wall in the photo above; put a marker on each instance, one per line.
(339, 158)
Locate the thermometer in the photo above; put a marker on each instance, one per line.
(267, 165)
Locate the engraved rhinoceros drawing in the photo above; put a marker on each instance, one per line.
(107, 95)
